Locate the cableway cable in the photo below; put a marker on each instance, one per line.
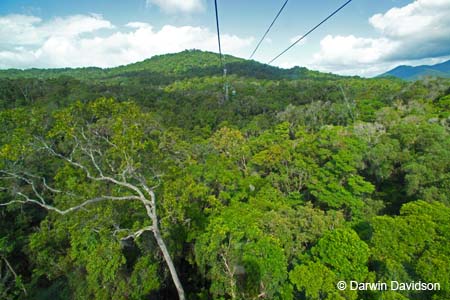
(270, 27)
(222, 58)
(306, 34)
(218, 35)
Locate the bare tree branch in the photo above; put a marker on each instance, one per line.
(101, 177)
(14, 273)
(44, 183)
(30, 182)
(27, 199)
(138, 233)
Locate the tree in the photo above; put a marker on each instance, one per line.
(344, 252)
(316, 280)
(414, 246)
(11, 284)
(240, 259)
(100, 152)
(338, 255)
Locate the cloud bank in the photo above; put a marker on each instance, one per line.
(90, 40)
(409, 34)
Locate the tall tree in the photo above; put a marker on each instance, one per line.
(101, 152)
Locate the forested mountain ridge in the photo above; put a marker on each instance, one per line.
(186, 64)
(149, 182)
(414, 73)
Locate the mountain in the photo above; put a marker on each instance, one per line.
(169, 67)
(415, 73)
(188, 88)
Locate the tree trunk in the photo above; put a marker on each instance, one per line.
(151, 212)
(169, 261)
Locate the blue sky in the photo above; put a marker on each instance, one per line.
(366, 38)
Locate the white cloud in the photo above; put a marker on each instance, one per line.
(174, 6)
(75, 25)
(417, 31)
(414, 19)
(30, 30)
(348, 50)
(19, 29)
(137, 25)
(67, 46)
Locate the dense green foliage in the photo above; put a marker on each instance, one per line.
(296, 181)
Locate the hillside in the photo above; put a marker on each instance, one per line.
(186, 64)
(414, 73)
(187, 88)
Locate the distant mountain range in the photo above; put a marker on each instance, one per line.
(414, 73)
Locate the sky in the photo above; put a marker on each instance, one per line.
(366, 38)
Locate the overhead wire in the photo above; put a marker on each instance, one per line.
(218, 35)
(222, 58)
(269, 28)
(311, 30)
